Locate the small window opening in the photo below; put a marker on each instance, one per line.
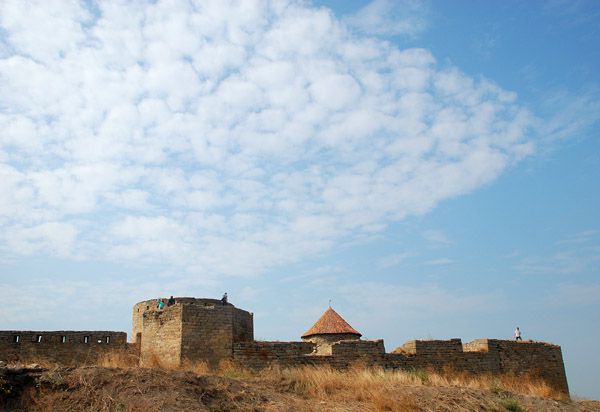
(16, 339)
(147, 307)
(38, 338)
(63, 339)
(99, 340)
(86, 339)
(107, 339)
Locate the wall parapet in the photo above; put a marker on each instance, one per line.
(61, 347)
(483, 356)
(17, 337)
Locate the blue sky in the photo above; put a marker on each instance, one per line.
(430, 167)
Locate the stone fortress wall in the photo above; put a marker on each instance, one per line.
(206, 330)
(482, 356)
(64, 347)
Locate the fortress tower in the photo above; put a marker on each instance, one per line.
(191, 330)
(329, 329)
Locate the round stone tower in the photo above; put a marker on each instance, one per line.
(194, 329)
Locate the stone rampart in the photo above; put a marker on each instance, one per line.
(259, 355)
(207, 330)
(483, 356)
(61, 347)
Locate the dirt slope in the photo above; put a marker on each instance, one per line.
(137, 389)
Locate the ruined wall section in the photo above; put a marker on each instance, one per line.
(484, 356)
(71, 348)
(259, 355)
(324, 342)
(161, 332)
(539, 359)
(346, 353)
(443, 355)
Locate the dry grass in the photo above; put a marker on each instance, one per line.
(230, 387)
(360, 380)
(116, 359)
(366, 382)
(232, 370)
(374, 388)
(199, 368)
(93, 389)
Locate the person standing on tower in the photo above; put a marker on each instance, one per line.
(171, 301)
(518, 334)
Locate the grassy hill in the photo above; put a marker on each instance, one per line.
(106, 388)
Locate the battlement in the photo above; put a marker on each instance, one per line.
(68, 337)
(209, 330)
(62, 347)
(482, 356)
(431, 347)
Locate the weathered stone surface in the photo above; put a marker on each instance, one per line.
(62, 347)
(324, 342)
(192, 330)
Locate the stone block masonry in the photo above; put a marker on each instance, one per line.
(484, 356)
(160, 337)
(192, 330)
(206, 330)
(62, 347)
(259, 355)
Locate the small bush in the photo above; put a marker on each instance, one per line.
(421, 375)
(512, 405)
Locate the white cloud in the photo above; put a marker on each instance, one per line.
(54, 238)
(579, 238)
(224, 139)
(439, 262)
(392, 260)
(570, 114)
(566, 262)
(437, 237)
(389, 18)
(574, 294)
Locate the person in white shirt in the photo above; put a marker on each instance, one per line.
(518, 334)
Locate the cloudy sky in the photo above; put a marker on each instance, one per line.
(432, 168)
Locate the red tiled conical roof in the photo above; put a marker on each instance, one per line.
(330, 323)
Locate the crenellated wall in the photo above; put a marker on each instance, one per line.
(62, 347)
(483, 356)
(207, 330)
